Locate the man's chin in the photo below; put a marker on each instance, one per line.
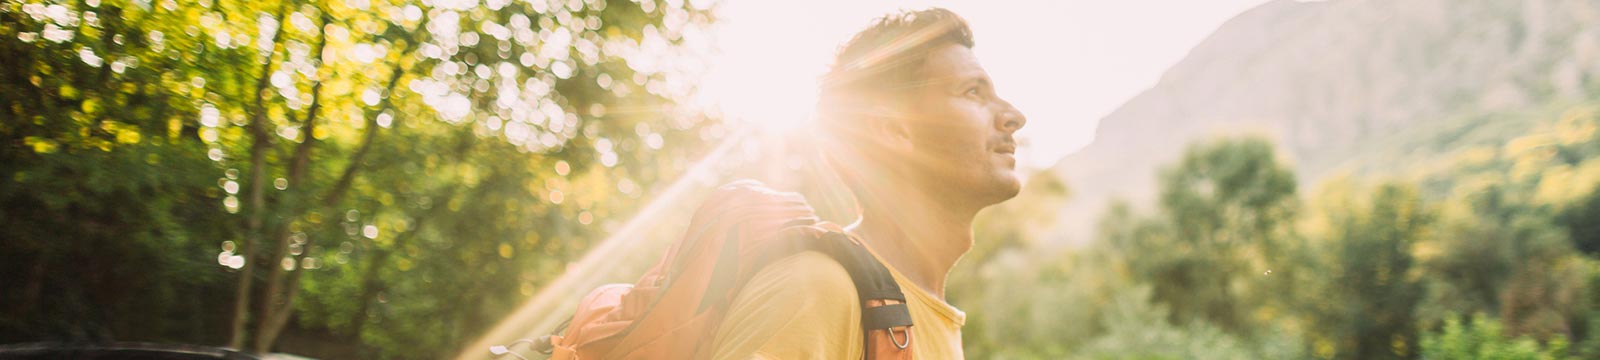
(1005, 186)
(1012, 188)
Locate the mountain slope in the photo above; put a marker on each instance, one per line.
(1330, 80)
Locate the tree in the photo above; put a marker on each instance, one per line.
(1369, 295)
(107, 190)
(1225, 214)
(1497, 253)
(349, 152)
(1580, 220)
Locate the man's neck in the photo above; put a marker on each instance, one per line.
(916, 235)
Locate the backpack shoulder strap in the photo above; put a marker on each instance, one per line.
(885, 319)
(744, 226)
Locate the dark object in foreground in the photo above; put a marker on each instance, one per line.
(119, 351)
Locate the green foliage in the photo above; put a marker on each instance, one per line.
(386, 179)
(1137, 328)
(1484, 338)
(1366, 308)
(1030, 324)
(110, 208)
(371, 179)
(1223, 221)
(1582, 221)
(1365, 274)
(1056, 314)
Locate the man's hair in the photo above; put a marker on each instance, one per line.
(883, 62)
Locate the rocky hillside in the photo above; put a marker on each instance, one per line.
(1331, 81)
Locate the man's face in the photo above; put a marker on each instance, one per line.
(960, 131)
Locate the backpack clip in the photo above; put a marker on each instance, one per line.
(897, 343)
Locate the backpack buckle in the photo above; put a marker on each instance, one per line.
(897, 343)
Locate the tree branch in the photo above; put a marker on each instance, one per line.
(347, 176)
(279, 301)
(279, 306)
(258, 148)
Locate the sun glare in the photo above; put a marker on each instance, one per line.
(768, 59)
(767, 63)
(762, 78)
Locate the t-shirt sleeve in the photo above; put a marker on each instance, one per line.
(800, 307)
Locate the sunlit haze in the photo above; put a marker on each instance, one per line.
(1064, 63)
(489, 179)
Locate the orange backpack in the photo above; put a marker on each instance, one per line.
(673, 311)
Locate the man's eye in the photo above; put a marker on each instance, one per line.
(973, 91)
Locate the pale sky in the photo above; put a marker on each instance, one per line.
(1064, 63)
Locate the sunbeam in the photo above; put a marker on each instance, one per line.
(547, 308)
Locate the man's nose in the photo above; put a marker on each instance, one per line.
(1009, 119)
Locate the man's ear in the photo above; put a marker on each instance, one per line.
(890, 128)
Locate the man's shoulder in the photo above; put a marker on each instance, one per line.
(808, 274)
(808, 283)
(799, 307)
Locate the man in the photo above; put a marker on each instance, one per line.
(916, 131)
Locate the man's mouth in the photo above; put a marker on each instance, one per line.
(1009, 151)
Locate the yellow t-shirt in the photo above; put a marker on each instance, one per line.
(805, 307)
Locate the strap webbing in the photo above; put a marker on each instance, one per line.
(884, 317)
(872, 279)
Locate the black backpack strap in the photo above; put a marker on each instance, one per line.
(872, 280)
(885, 317)
(887, 311)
